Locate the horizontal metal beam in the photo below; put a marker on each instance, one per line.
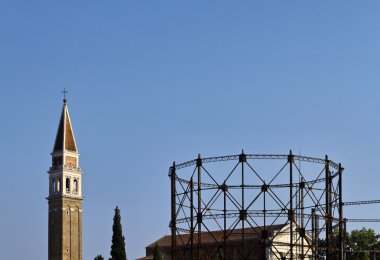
(258, 187)
(249, 214)
(257, 157)
(362, 202)
(363, 220)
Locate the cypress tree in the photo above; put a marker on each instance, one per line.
(99, 257)
(156, 253)
(118, 240)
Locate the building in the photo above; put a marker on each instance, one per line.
(254, 245)
(65, 195)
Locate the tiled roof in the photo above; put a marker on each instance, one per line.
(211, 237)
(149, 257)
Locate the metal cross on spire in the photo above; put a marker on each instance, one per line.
(64, 92)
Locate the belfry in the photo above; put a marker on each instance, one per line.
(65, 194)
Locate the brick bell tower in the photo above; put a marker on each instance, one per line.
(65, 194)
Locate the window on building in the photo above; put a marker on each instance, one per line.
(58, 184)
(75, 185)
(53, 185)
(67, 184)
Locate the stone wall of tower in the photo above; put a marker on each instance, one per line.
(55, 229)
(65, 229)
(72, 229)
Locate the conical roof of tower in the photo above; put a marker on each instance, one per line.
(64, 139)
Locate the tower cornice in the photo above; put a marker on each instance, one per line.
(73, 197)
(61, 168)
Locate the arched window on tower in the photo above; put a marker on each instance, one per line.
(75, 185)
(58, 184)
(67, 184)
(52, 185)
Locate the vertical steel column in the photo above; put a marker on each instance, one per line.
(199, 214)
(291, 213)
(192, 218)
(345, 232)
(317, 233)
(224, 220)
(313, 234)
(341, 235)
(173, 209)
(303, 232)
(264, 234)
(243, 215)
(327, 207)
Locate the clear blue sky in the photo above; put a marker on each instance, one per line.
(151, 82)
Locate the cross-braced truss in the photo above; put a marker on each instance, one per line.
(256, 206)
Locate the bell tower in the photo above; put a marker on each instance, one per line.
(65, 194)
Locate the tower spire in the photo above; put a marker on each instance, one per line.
(65, 139)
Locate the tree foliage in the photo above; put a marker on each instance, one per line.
(118, 240)
(365, 240)
(157, 253)
(359, 244)
(99, 257)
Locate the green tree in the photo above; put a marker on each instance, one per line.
(99, 257)
(118, 240)
(361, 243)
(157, 253)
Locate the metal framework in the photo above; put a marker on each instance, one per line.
(256, 206)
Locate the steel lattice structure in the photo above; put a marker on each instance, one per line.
(287, 209)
